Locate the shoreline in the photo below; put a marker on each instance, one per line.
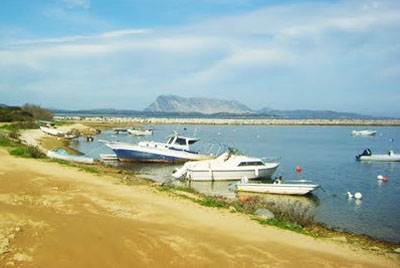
(77, 207)
(229, 121)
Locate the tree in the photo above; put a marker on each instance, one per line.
(37, 112)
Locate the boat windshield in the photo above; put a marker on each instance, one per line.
(251, 163)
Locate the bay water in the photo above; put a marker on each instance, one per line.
(326, 155)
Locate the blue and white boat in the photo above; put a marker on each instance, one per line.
(176, 149)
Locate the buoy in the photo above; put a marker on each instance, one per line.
(382, 178)
(349, 195)
(358, 195)
(298, 169)
(243, 198)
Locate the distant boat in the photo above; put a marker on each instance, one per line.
(176, 149)
(367, 155)
(227, 167)
(140, 132)
(47, 123)
(64, 155)
(364, 132)
(52, 131)
(296, 187)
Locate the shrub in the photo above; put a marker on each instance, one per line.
(27, 152)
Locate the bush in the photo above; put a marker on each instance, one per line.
(27, 152)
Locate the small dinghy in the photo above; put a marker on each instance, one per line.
(64, 155)
(295, 187)
(367, 155)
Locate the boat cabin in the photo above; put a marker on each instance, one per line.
(180, 142)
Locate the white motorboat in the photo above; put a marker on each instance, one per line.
(140, 132)
(176, 149)
(364, 132)
(295, 187)
(226, 167)
(367, 155)
(64, 155)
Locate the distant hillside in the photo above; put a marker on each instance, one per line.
(175, 104)
(310, 114)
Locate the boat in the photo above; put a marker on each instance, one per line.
(367, 155)
(64, 155)
(364, 132)
(226, 167)
(176, 149)
(140, 132)
(295, 187)
(52, 131)
(108, 157)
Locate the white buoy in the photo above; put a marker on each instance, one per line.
(379, 177)
(349, 195)
(358, 195)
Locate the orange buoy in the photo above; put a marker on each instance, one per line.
(243, 198)
(385, 179)
(298, 169)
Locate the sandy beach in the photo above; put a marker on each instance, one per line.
(59, 216)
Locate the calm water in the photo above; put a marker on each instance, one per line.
(327, 156)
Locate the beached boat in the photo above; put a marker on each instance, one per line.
(364, 132)
(108, 157)
(176, 149)
(64, 155)
(295, 187)
(367, 155)
(140, 132)
(226, 167)
(52, 131)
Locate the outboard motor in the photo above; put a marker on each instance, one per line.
(366, 152)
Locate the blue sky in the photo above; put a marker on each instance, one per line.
(319, 55)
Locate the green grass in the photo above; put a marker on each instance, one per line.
(91, 170)
(27, 152)
(212, 202)
(283, 224)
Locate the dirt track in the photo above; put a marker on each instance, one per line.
(57, 216)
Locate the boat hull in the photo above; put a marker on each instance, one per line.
(67, 157)
(220, 174)
(363, 132)
(136, 153)
(283, 188)
(380, 158)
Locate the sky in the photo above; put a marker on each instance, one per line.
(342, 56)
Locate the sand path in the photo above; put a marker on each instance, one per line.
(58, 216)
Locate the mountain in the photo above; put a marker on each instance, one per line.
(175, 104)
